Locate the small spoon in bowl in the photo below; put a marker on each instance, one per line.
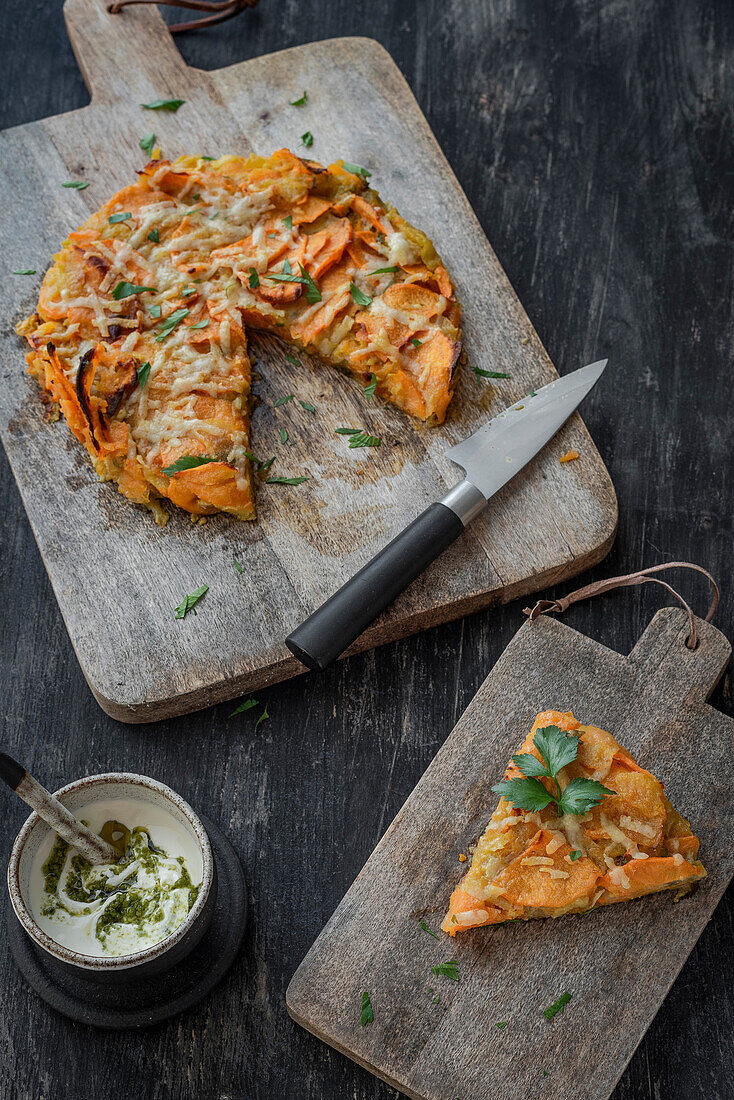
(55, 814)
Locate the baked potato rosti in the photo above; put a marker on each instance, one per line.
(139, 337)
(542, 864)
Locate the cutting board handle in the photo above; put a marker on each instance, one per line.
(129, 55)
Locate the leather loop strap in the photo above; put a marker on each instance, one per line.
(642, 576)
(219, 10)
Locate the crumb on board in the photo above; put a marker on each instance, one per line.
(569, 456)
(525, 340)
(462, 858)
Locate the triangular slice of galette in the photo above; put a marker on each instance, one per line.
(579, 824)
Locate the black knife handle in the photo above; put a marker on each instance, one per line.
(324, 635)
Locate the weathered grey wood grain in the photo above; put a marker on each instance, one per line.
(618, 963)
(550, 523)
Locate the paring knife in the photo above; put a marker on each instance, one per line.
(489, 458)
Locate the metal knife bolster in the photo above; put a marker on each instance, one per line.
(465, 501)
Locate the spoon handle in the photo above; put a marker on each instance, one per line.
(55, 814)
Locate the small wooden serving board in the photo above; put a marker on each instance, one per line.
(117, 576)
(618, 963)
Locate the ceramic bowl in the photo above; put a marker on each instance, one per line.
(151, 960)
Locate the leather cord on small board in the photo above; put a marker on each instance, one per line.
(642, 576)
(219, 10)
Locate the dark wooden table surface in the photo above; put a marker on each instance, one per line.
(595, 141)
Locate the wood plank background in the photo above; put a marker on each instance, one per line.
(552, 522)
(618, 965)
(595, 143)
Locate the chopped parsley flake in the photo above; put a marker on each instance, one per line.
(143, 372)
(25, 271)
(78, 185)
(253, 279)
(190, 601)
(285, 480)
(359, 438)
(164, 105)
(489, 373)
(576, 855)
(283, 400)
(155, 311)
(425, 928)
(114, 219)
(367, 1014)
(305, 405)
(288, 222)
(283, 435)
(502, 1024)
(359, 296)
(384, 271)
(146, 144)
(125, 290)
(238, 567)
(154, 236)
(356, 169)
(557, 1006)
(186, 462)
(307, 139)
(262, 717)
(200, 324)
(170, 323)
(301, 101)
(448, 969)
(370, 387)
(415, 343)
(248, 703)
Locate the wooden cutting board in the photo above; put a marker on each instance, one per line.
(617, 963)
(117, 576)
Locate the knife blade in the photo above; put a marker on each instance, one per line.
(490, 458)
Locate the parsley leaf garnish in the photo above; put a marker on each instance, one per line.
(283, 435)
(301, 101)
(305, 405)
(125, 290)
(557, 749)
(114, 219)
(449, 970)
(367, 1014)
(425, 928)
(307, 139)
(313, 293)
(262, 717)
(557, 1006)
(154, 236)
(155, 311)
(285, 480)
(143, 372)
(170, 323)
(502, 1024)
(259, 463)
(78, 185)
(146, 144)
(186, 462)
(164, 105)
(371, 386)
(189, 602)
(253, 279)
(489, 373)
(358, 438)
(288, 222)
(356, 169)
(25, 271)
(247, 705)
(384, 271)
(238, 567)
(283, 400)
(359, 296)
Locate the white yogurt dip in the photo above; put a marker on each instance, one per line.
(117, 909)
